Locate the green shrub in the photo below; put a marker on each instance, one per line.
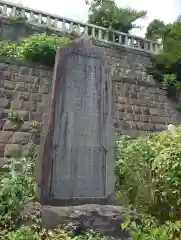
(17, 187)
(23, 233)
(28, 233)
(168, 61)
(149, 229)
(149, 173)
(8, 49)
(42, 48)
(39, 48)
(133, 171)
(15, 117)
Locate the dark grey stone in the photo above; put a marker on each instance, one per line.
(105, 219)
(79, 133)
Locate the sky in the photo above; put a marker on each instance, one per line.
(166, 10)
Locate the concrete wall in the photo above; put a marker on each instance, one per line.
(140, 105)
(16, 30)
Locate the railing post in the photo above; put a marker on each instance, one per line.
(71, 27)
(106, 36)
(48, 23)
(78, 29)
(99, 34)
(157, 48)
(64, 26)
(151, 47)
(146, 45)
(126, 40)
(22, 13)
(31, 16)
(132, 42)
(55, 23)
(13, 12)
(4, 9)
(120, 39)
(86, 31)
(113, 37)
(39, 18)
(93, 32)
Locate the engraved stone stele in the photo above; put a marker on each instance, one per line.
(77, 161)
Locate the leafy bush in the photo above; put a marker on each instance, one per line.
(149, 229)
(17, 187)
(168, 62)
(8, 48)
(23, 233)
(149, 173)
(39, 48)
(28, 233)
(42, 48)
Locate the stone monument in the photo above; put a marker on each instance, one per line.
(77, 150)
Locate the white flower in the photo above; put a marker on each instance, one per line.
(171, 128)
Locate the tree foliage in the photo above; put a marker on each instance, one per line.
(107, 14)
(149, 172)
(167, 64)
(155, 29)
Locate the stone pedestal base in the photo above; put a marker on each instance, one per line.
(105, 219)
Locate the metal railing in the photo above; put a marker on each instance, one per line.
(60, 24)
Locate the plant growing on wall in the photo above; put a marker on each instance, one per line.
(15, 117)
(40, 48)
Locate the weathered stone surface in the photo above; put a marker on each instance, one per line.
(12, 149)
(25, 96)
(11, 126)
(2, 121)
(42, 108)
(21, 86)
(26, 149)
(104, 219)
(5, 136)
(4, 66)
(36, 97)
(25, 127)
(21, 138)
(79, 137)
(4, 103)
(9, 85)
(3, 163)
(16, 104)
(44, 89)
(2, 147)
(37, 116)
(29, 106)
(22, 78)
